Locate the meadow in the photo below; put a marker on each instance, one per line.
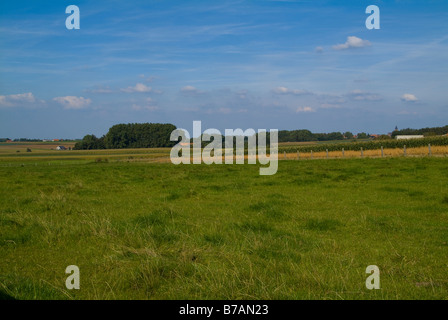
(149, 230)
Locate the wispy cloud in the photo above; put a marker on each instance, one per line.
(284, 90)
(72, 102)
(139, 87)
(352, 42)
(13, 100)
(148, 105)
(190, 90)
(408, 97)
(305, 109)
(147, 78)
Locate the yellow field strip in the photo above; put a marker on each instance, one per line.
(437, 151)
(396, 152)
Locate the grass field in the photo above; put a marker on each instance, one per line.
(9, 147)
(159, 231)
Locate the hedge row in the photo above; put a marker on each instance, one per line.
(369, 145)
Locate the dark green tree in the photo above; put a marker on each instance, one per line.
(348, 135)
(363, 135)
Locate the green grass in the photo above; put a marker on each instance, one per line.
(159, 231)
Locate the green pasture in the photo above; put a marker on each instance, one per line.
(160, 231)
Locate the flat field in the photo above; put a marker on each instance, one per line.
(140, 230)
(9, 147)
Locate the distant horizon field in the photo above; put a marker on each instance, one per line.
(10, 156)
(160, 231)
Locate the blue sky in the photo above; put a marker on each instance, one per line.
(231, 64)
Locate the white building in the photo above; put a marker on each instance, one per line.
(407, 137)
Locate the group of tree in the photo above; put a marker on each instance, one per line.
(156, 135)
(427, 132)
(90, 142)
(131, 135)
(306, 135)
(27, 140)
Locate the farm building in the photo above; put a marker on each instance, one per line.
(61, 148)
(407, 137)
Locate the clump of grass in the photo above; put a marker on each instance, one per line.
(322, 224)
(256, 227)
(445, 200)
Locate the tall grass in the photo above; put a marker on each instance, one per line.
(153, 231)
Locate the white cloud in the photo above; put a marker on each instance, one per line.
(15, 99)
(72, 102)
(319, 49)
(284, 90)
(409, 97)
(305, 109)
(191, 90)
(139, 87)
(352, 42)
(26, 97)
(188, 89)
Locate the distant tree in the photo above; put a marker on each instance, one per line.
(335, 136)
(363, 135)
(90, 142)
(139, 135)
(348, 135)
(424, 131)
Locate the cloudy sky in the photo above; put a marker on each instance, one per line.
(231, 64)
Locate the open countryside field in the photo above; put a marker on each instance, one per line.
(440, 151)
(16, 153)
(8, 147)
(142, 230)
(10, 156)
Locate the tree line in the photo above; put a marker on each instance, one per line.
(427, 132)
(307, 135)
(131, 135)
(157, 135)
